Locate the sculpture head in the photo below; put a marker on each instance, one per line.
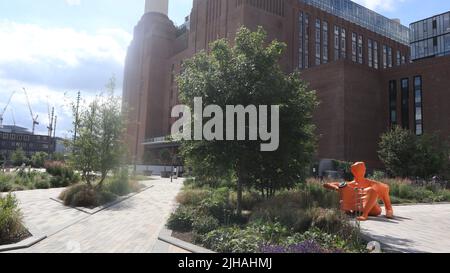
(359, 170)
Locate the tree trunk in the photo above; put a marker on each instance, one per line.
(239, 195)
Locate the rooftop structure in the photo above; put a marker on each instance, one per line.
(364, 17)
(430, 37)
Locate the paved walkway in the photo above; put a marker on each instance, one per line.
(416, 228)
(128, 227)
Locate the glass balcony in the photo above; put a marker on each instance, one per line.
(363, 17)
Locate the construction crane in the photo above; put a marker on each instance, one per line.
(35, 119)
(51, 116)
(54, 127)
(4, 109)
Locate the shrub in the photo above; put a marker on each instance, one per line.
(330, 221)
(42, 181)
(295, 209)
(38, 159)
(10, 219)
(83, 195)
(406, 155)
(182, 219)
(404, 191)
(119, 184)
(316, 241)
(192, 197)
(63, 175)
(217, 205)
(247, 240)
(204, 224)
(6, 183)
(18, 157)
(249, 200)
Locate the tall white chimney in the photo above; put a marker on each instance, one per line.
(159, 6)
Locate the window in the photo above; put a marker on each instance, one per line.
(301, 29)
(303, 58)
(384, 56)
(325, 42)
(403, 59)
(370, 52)
(318, 42)
(389, 57)
(306, 43)
(360, 49)
(343, 44)
(393, 103)
(405, 103)
(375, 54)
(354, 47)
(399, 58)
(336, 43)
(418, 109)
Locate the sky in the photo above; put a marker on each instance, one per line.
(55, 48)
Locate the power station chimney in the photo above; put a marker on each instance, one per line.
(158, 6)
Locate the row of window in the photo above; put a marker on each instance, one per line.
(405, 102)
(24, 145)
(436, 46)
(9, 136)
(358, 45)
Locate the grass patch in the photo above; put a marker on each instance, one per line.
(405, 191)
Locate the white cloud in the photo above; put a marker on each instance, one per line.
(53, 64)
(73, 2)
(64, 46)
(380, 5)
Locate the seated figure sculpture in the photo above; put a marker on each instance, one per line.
(362, 194)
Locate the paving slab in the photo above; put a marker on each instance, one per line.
(415, 229)
(131, 226)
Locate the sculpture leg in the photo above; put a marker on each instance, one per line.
(383, 193)
(376, 211)
(371, 198)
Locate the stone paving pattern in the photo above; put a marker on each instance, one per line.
(128, 227)
(415, 228)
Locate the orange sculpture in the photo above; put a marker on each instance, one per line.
(362, 194)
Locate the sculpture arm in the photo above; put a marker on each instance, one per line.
(332, 186)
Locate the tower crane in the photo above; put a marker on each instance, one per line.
(4, 109)
(34, 118)
(51, 116)
(54, 127)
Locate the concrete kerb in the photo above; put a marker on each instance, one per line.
(29, 242)
(166, 236)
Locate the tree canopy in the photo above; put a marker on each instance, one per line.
(248, 73)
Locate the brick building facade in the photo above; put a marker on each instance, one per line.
(350, 55)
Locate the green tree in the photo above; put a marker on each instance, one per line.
(98, 147)
(406, 155)
(38, 159)
(397, 150)
(248, 73)
(18, 157)
(431, 157)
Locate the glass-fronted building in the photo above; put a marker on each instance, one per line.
(430, 37)
(364, 17)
